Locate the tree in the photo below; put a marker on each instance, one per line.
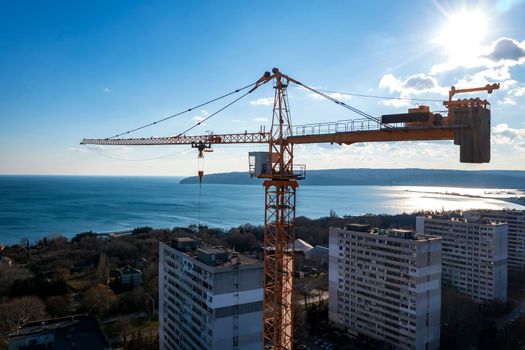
(103, 269)
(99, 298)
(144, 229)
(58, 305)
(243, 242)
(16, 312)
(9, 274)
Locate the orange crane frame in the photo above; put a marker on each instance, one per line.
(281, 183)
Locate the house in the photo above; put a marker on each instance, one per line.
(128, 276)
(79, 332)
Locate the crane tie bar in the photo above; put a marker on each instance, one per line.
(180, 113)
(341, 103)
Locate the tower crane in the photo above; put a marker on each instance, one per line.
(467, 124)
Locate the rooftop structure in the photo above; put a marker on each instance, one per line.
(299, 244)
(79, 332)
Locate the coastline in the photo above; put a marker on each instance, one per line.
(514, 200)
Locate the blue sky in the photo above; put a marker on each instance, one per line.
(70, 70)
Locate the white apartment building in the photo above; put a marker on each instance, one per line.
(516, 222)
(386, 284)
(209, 298)
(474, 255)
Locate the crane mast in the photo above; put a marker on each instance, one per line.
(467, 124)
(279, 224)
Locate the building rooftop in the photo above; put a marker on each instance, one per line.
(301, 245)
(128, 270)
(391, 232)
(358, 227)
(80, 332)
(470, 217)
(211, 254)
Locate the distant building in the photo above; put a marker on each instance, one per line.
(128, 276)
(317, 256)
(516, 241)
(209, 297)
(385, 284)
(79, 332)
(299, 256)
(474, 255)
(5, 260)
(304, 246)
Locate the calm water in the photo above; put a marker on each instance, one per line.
(35, 206)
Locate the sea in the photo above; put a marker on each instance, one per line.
(32, 207)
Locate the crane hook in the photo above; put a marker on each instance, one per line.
(201, 147)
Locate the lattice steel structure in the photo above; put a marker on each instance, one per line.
(279, 225)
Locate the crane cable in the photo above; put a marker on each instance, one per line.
(200, 194)
(382, 97)
(202, 121)
(216, 112)
(341, 103)
(182, 112)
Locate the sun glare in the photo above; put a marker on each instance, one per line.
(463, 32)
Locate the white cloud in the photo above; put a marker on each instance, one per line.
(260, 120)
(507, 101)
(502, 134)
(383, 154)
(395, 103)
(520, 91)
(205, 113)
(413, 85)
(197, 118)
(506, 49)
(488, 76)
(265, 101)
(336, 95)
(106, 89)
(409, 87)
(501, 52)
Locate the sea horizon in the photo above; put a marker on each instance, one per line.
(37, 206)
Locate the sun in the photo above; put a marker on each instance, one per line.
(463, 32)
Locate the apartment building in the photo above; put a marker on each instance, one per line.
(209, 297)
(474, 255)
(385, 284)
(516, 235)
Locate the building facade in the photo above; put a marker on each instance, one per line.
(474, 255)
(385, 284)
(209, 298)
(516, 235)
